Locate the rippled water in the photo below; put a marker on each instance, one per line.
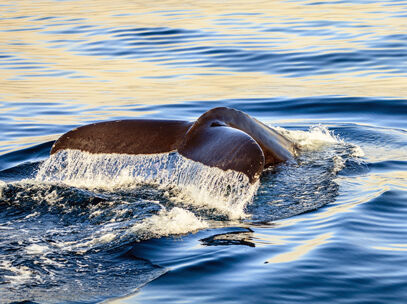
(331, 227)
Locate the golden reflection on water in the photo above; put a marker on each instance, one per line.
(392, 247)
(9, 146)
(267, 238)
(123, 81)
(359, 190)
(299, 251)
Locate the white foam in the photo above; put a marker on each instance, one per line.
(210, 187)
(165, 223)
(20, 274)
(339, 163)
(2, 185)
(36, 249)
(315, 139)
(99, 238)
(357, 151)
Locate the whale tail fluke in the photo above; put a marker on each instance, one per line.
(225, 148)
(133, 136)
(222, 137)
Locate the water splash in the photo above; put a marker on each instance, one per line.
(199, 185)
(314, 139)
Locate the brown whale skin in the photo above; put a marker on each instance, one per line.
(221, 137)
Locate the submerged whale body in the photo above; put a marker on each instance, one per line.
(221, 137)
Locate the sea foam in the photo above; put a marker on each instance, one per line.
(314, 139)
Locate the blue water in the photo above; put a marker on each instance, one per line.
(330, 227)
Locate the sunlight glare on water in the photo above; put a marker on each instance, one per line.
(73, 62)
(326, 228)
(133, 53)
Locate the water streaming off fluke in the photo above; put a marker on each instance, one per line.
(208, 187)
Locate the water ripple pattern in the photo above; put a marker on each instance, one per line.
(81, 228)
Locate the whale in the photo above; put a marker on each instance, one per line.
(222, 137)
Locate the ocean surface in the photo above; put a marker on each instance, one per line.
(330, 227)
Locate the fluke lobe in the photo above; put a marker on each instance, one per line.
(221, 137)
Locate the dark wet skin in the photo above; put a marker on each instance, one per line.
(222, 137)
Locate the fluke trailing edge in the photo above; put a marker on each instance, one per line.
(221, 137)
